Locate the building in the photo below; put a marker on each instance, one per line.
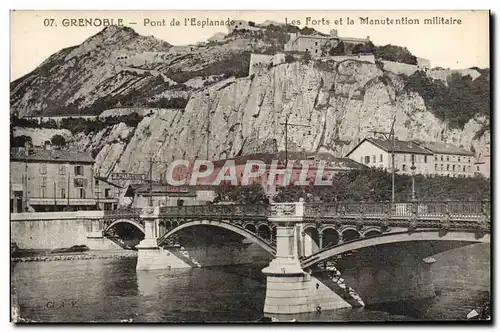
(450, 159)
(482, 166)
(164, 195)
(315, 43)
(51, 180)
(374, 152)
(106, 193)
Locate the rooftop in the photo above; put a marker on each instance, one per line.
(52, 155)
(399, 146)
(445, 148)
(267, 158)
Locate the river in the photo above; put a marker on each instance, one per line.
(111, 290)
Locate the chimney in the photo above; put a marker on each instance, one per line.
(334, 33)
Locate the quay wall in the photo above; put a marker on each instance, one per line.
(50, 230)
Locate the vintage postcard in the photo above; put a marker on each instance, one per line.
(250, 166)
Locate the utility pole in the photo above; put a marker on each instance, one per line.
(151, 161)
(286, 124)
(392, 139)
(208, 129)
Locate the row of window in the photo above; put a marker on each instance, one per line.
(413, 158)
(43, 193)
(62, 169)
(454, 168)
(458, 158)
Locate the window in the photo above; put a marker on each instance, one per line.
(63, 192)
(43, 192)
(367, 159)
(43, 168)
(79, 170)
(81, 193)
(441, 157)
(447, 158)
(381, 158)
(458, 158)
(436, 167)
(43, 181)
(413, 158)
(453, 168)
(448, 167)
(62, 169)
(255, 168)
(425, 160)
(469, 159)
(107, 206)
(442, 167)
(316, 43)
(477, 168)
(107, 192)
(315, 51)
(404, 167)
(96, 182)
(404, 157)
(80, 183)
(463, 169)
(374, 159)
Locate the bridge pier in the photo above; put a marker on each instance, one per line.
(289, 289)
(149, 255)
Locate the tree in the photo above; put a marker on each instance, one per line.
(338, 50)
(19, 141)
(289, 58)
(58, 140)
(307, 57)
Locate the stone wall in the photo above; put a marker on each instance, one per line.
(360, 57)
(400, 68)
(47, 230)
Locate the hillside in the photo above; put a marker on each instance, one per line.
(341, 101)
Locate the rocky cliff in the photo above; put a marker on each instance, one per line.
(340, 102)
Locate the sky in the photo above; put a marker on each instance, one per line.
(35, 35)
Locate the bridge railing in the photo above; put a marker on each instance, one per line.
(453, 209)
(228, 211)
(122, 213)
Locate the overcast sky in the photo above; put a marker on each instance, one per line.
(450, 46)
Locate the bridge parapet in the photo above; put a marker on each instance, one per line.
(228, 211)
(455, 210)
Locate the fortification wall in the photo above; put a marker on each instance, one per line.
(360, 57)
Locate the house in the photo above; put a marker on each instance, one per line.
(374, 152)
(315, 43)
(51, 180)
(450, 159)
(106, 194)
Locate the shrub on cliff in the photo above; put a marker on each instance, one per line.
(394, 53)
(58, 140)
(456, 103)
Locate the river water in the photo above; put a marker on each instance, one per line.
(111, 290)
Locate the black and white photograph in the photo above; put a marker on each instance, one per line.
(250, 166)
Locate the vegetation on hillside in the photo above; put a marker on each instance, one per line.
(78, 125)
(457, 103)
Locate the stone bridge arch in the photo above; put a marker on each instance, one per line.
(225, 225)
(461, 238)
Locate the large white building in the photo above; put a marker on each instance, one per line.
(427, 157)
(374, 152)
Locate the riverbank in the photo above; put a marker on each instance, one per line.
(48, 256)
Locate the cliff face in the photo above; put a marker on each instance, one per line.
(341, 103)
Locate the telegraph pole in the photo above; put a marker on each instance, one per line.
(151, 161)
(286, 124)
(391, 138)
